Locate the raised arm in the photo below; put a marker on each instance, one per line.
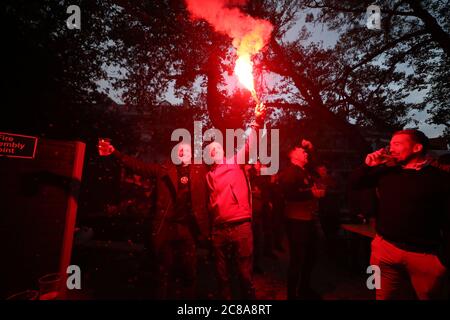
(253, 136)
(138, 166)
(105, 148)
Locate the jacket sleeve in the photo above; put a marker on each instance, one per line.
(138, 166)
(365, 177)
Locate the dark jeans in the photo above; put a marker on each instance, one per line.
(258, 238)
(302, 253)
(329, 219)
(233, 247)
(177, 262)
(278, 229)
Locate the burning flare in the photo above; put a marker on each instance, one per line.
(249, 34)
(244, 71)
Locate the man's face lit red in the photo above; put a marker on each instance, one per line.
(322, 171)
(402, 147)
(216, 152)
(299, 156)
(184, 153)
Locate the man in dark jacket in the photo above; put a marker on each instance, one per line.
(413, 216)
(301, 195)
(180, 218)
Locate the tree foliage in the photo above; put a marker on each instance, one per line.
(141, 49)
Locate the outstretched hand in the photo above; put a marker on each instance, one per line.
(105, 148)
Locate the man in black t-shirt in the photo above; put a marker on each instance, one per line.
(413, 216)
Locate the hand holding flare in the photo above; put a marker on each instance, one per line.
(260, 110)
(260, 114)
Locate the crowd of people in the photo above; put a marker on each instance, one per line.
(243, 215)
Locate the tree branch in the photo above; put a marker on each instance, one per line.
(386, 47)
(432, 26)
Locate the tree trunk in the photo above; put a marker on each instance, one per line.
(212, 94)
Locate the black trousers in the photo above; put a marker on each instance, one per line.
(176, 255)
(302, 255)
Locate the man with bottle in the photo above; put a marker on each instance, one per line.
(412, 219)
